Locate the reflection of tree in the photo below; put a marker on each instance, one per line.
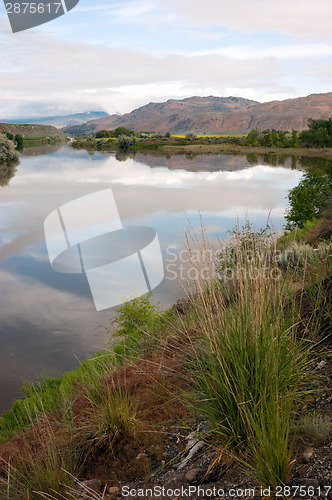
(191, 156)
(124, 155)
(252, 158)
(7, 171)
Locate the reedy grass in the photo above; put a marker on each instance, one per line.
(111, 414)
(249, 369)
(42, 464)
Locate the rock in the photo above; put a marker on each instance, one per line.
(191, 453)
(301, 471)
(314, 483)
(193, 475)
(307, 455)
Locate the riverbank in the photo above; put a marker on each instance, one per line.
(195, 148)
(147, 410)
(260, 150)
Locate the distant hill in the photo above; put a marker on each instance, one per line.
(31, 130)
(62, 121)
(175, 115)
(209, 115)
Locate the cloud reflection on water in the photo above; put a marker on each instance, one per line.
(45, 320)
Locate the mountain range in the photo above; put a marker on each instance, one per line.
(232, 115)
(61, 121)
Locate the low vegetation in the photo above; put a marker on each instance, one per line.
(8, 149)
(9, 159)
(315, 141)
(237, 357)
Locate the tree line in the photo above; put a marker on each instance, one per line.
(318, 135)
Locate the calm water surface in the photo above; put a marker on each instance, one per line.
(48, 321)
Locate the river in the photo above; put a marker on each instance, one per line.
(48, 319)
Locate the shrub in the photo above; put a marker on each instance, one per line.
(8, 152)
(135, 316)
(125, 141)
(316, 426)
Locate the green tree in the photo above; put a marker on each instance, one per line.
(103, 133)
(18, 139)
(267, 138)
(308, 198)
(252, 138)
(122, 131)
(295, 139)
(318, 135)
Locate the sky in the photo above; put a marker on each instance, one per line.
(115, 56)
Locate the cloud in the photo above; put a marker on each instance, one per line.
(188, 51)
(299, 18)
(73, 76)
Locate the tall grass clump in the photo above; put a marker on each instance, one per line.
(111, 414)
(47, 463)
(248, 367)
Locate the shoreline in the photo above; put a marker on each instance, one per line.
(197, 149)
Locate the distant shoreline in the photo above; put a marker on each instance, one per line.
(161, 147)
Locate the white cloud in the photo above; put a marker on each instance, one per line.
(75, 76)
(300, 18)
(45, 71)
(295, 51)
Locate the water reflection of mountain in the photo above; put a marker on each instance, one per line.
(44, 149)
(216, 162)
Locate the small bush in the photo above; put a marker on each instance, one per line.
(125, 142)
(315, 426)
(8, 152)
(135, 316)
(299, 255)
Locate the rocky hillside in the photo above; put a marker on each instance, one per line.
(176, 115)
(220, 115)
(31, 130)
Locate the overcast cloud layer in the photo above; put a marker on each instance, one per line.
(116, 56)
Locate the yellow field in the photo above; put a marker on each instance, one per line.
(182, 136)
